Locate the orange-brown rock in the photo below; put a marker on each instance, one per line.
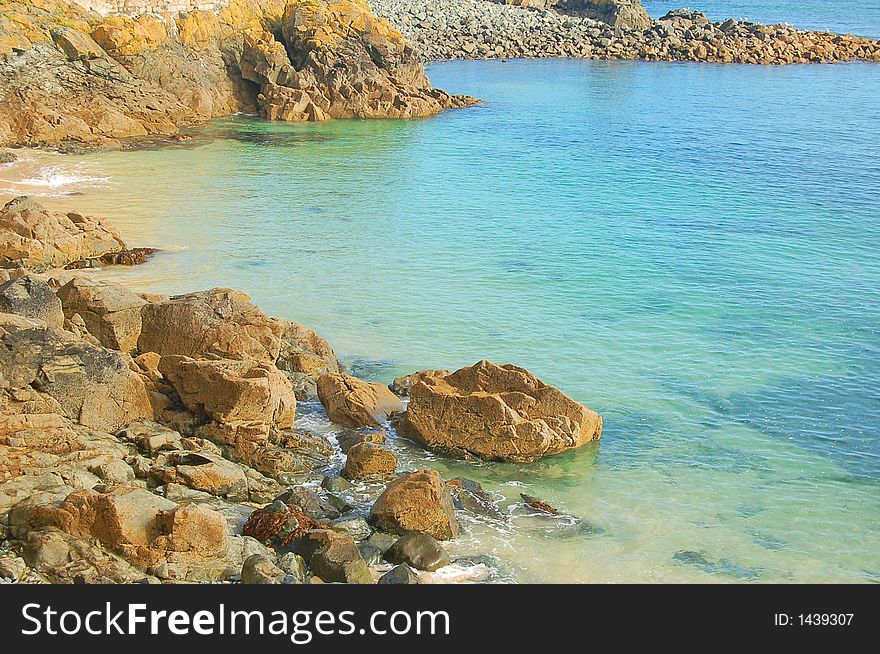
(132, 521)
(220, 322)
(232, 391)
(111, 312)
(75, 78)
(368, 461)
(36, 238)
(497, 413)
(352, 402)
(402, 385)
(416, 502)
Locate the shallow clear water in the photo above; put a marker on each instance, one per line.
(691, 250)
(842, 16)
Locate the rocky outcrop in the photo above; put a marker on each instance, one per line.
(71, 77)
(416, 502)
(46, 370)
(343, 63)
(353, 402)
(497, 413)
(35, 238)
(475, 29)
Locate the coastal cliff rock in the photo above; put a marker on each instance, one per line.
(35, 238)
(346, 63)
(71, 77)
(497, 413)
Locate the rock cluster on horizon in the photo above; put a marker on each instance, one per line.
(482, 29)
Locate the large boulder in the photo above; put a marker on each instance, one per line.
(231, 391)
(334, 557)
(352, 402)
(54, 371)
(220, 322)
(223, 322)
(38, 239)
(416, 502)
(31, 297)
(496, 413)
(111, 312)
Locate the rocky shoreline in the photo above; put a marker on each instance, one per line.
(482, 29)
(73, 78)
(155, 439)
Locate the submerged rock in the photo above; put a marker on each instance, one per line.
(400, 574)
(420, 551)
(469, 495)
(539, 505)
(497, 413)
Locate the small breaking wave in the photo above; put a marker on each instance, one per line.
(32, 175)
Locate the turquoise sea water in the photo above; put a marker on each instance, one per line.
(691, 250)
(860, 17)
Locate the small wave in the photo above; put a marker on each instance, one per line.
(34, 178)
